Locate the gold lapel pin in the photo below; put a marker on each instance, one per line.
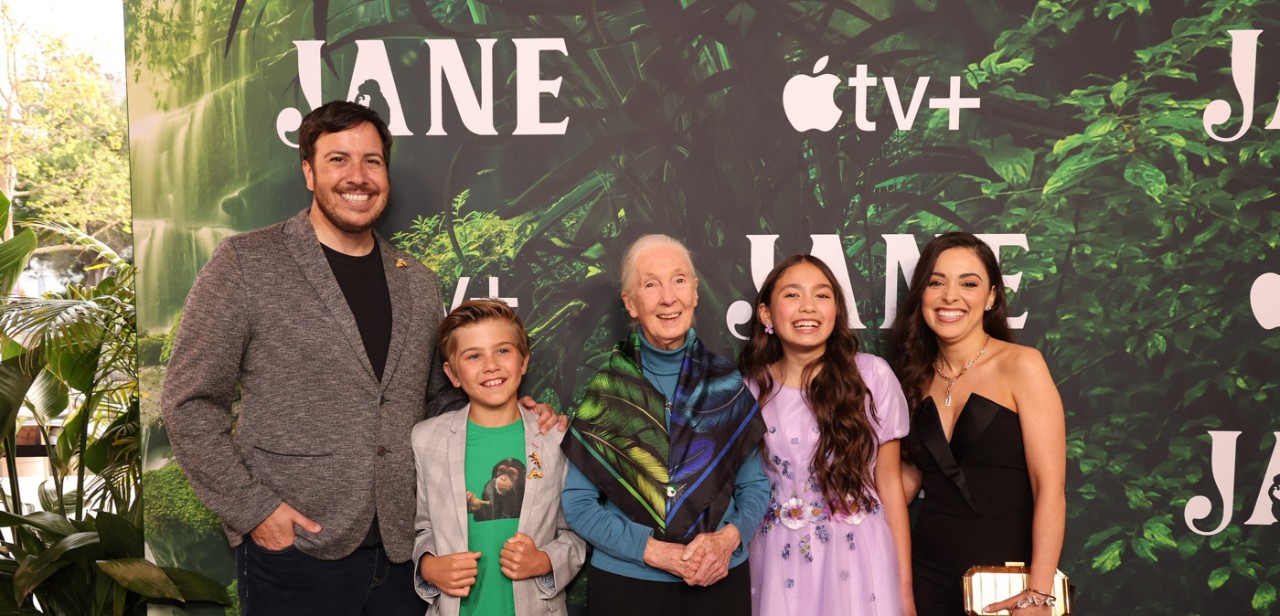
(402, 263)
(536, 471)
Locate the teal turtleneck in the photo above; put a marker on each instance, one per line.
(662, 368)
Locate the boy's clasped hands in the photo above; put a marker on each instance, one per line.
(454, 574)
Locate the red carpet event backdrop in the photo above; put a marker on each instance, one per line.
(1118, 154)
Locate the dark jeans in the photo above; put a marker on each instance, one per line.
(610, 594)
(290, 582)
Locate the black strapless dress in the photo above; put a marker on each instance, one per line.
(978, 502)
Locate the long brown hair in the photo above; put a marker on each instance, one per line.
(915, 345)
(835, 393)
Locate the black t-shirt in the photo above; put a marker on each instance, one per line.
(364, 283)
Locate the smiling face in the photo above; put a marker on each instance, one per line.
(802, 309)
(348, 179)
(487, 364)
(663, 296)
(957, 292)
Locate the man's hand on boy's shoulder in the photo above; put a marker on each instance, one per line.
(521, 559)
(453, 574)
(547, 416)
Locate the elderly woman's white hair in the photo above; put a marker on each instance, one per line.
(643, 243)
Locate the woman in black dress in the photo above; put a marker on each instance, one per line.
(988, 438)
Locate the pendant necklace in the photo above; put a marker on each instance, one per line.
(937, 365)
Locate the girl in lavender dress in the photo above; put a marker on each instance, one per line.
(836, 539)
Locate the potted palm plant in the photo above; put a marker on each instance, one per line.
(72, 356)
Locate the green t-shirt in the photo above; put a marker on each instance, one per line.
(496, 472)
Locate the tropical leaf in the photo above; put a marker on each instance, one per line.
(196, 587)
(54, 525)
(13, 258)
(15, 381)
(61, 553)
(119, 537)
(77, 237)
(142, 577)
(70, 333)
(54, 502)
(48, 395)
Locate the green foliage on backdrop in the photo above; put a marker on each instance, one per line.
(1144, 234)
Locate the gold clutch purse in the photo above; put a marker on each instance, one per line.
(984, 585)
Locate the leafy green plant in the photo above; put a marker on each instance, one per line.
(84, 554)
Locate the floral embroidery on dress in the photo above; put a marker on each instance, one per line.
(849, 538)
(771, 515)
(795, 513)
(812, 482)
(805, 549)
(821, 532)
(786, 551)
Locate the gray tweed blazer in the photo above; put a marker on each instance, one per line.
(316, 429)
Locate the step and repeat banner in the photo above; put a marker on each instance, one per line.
(1117, 154)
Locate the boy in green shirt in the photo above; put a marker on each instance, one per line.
(491, 539)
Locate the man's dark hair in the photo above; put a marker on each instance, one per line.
(337, 116)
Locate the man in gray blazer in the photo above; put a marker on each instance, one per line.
(327, 333)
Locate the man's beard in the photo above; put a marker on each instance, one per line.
(333, 212)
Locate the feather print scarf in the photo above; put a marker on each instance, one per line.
(680, 482)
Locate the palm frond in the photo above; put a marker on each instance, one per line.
(78, 237)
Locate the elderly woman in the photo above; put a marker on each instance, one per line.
(665, 480)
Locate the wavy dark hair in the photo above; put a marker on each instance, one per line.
(335, 117)
(835, 393)
(915, 347)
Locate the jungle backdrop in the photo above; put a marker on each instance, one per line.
(1145, 237)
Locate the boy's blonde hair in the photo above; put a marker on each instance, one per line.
(475, 311)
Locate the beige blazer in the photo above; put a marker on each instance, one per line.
(439, 452)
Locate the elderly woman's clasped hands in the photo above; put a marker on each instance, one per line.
(703, 562)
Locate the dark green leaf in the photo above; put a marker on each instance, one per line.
(196, 587)
(48, 395)
(13, 257)
(1264, 596)
(120, 539)
(51, 523)
(1146, 177)
(141, 577)
(1218, 577)
(62, 553)
(1110, 557)
(15, 380)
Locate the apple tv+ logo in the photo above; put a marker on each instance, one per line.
(809, 101)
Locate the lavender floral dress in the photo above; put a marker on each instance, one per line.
(805, 560)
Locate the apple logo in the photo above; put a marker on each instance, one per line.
(810, 101)
(1265, 299)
